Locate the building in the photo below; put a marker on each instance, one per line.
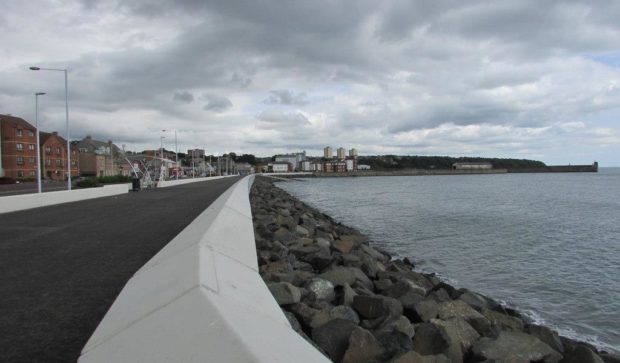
(54, 157)
(328, 153)
(350, 164)
(280, 167)
(99, 158)
(353, 153)
(341, 153)
(18, 148)
(244, 168)
(363, 167)
(335, 167)
(472, 166)
(296, 159)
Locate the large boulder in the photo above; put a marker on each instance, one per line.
(363, 347)
(371, 307)
(333, 337)
(514, 347)
(430, 339)
(461, 336)
(581, 354)
(546, 335)
(339, 276)
(422, 311)
(460, 309)
(321, 289)
(285, 293)
(501, 321)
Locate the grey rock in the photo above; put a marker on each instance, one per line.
(348, 294)
(303, 313)
(502, 321)
(474, 300)
(321, 289)
(339, 276)
(609, 357)
(546, 335)
(333, 337)
(430, 339)
(322, 242)
(460, 309)
(423, 311)
(414, 357)
(344, 312)
(440, 295)
(384, 284)
(404, 286)
(302, 231)
(514, 347)
(394, 343)
(581, 354)
(363, 347)
(283, 235)
(461, 337)
(284, 293)
(369, 307)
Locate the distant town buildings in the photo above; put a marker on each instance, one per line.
(328, 153)
(54, 157)
(353, 153)
(341, 154)
(472, 166)
(100, 158)
(18, 155)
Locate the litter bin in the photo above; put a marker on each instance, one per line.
(135, 185)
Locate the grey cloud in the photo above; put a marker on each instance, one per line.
(275, 119)
(287, 97)
(217, 103)
(185, 97)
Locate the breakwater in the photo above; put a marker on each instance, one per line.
(355, 302)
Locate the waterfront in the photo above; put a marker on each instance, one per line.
(546, 243)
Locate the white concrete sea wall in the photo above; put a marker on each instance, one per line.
(201, 299)
(14, 203)
(175, 182)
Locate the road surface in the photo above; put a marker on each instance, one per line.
(61, 267)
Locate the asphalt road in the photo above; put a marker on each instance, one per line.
(29, 188)
(61, 267)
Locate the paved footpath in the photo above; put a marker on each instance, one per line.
(61, 267)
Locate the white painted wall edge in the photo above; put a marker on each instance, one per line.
(14, 203)
(174, 182)
(201, 299)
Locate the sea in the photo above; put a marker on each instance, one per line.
(547, 244)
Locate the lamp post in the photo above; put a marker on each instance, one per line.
(176, 153)
(36, 120)
(161, 153)
(66, 118)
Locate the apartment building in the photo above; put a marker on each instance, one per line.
(100, 158)
(328, 153)
(341, 153)
(18, 148)
(54, 157)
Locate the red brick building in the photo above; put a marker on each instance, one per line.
(54, 157)
(18, 148)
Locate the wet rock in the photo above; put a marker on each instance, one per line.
(581, 354)
(369, 307)
(430, 339)
(284, 293)
(502, 321)
(609, 358)
(515, 347)
(333, 337)
(321, 289)
(474, 300)
(440, 295)
(546, 335)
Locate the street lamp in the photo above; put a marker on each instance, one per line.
(36, 120)
(66, 117)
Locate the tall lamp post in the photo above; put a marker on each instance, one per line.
(36, 120)
(66, 117)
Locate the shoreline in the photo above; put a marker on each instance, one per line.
(413, 308)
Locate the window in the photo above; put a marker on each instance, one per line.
(31, 147)
(20, 132)
(19, 146)
(73, 162)
(31, 160)
(48, 149)
(20, 160)
(31, 134)
(58, 162)
(83, 150)
(48, 162)
(33, 173)
(73, 152)
(20, 173)
(57, 150)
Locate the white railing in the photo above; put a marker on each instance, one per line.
(201, 299)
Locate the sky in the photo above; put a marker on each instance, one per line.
(515, 78)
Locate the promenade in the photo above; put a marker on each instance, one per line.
(62, 266)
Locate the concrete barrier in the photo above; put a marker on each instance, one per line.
(14, 203)
(201, 299)
(174, 182)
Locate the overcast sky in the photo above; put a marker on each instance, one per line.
(524, 79)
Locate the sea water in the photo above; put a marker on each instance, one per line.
(547, 244)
